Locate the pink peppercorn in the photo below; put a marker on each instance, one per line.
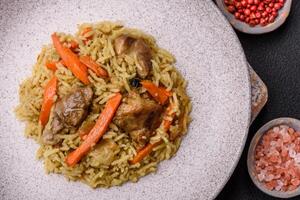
(237, 15)
(247, 12)
(244, 3)
(231, 9)
(250, 1)
(253, 8)
(258, 15)
(277, 6)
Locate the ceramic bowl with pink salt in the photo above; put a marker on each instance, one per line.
(274, 158)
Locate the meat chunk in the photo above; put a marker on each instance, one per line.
(143, 56)
(70, 111)
(139, 117)
(138, 48)
(104, 153)
(123, 43)
(140, 137)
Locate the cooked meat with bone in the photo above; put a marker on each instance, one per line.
(70, 111)
(138, 48)
(139, 117)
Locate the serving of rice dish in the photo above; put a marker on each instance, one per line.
(109, 161)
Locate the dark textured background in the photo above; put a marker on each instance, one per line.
(275, 57)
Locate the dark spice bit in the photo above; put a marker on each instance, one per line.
(135, 82)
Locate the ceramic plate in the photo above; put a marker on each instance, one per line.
(208, 55)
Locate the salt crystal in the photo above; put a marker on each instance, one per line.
(279, 143)
(282, 132)
(288, 163)
(286, 137)
(291, 130)
(277, 176)
(292, 153)
(269, 177)
(261, 177)
(278, 187)
(295, 182)
(273, 143)
(276, 129)
(292, 146)
(297, 158)
(284, 127)
(292, 187)
(280, 183)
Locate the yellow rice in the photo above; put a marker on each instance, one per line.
(120, 69)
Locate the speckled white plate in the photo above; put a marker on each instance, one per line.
(209, 56)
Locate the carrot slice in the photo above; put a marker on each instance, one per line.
(97, 132)
(85, 31)
(167, 121)
(95, 67)
(71, 60)
(51, 65)
(144, 152)
(49, 93)
(160, 94)
(74, 44)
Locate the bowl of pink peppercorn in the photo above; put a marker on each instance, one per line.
(255, 16)
(274, 158)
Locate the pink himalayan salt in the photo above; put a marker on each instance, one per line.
(277, 159)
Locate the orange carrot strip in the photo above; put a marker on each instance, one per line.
(167, 121)
(49, 93)
(83, 132)
(71, 60)
(148, 149)
(160, 94)
(86, 30)
(95, 67)
(97, 132)
(51, 65)
(144, 152)
(74, 44)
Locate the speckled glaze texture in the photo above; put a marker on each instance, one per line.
(208, 55)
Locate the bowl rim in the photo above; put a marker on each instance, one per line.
(283, 13)
(250, 156)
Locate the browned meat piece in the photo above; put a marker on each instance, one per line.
(49, 137)
(143, 56)
(138, 48)
(104, 153)
(70, 111)
(123, 43)
(139, 117)
(141, 137)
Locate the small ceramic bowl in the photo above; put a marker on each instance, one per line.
(244, 27)
(295, 124)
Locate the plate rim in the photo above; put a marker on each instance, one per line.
(244, 73)
(242, 148)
